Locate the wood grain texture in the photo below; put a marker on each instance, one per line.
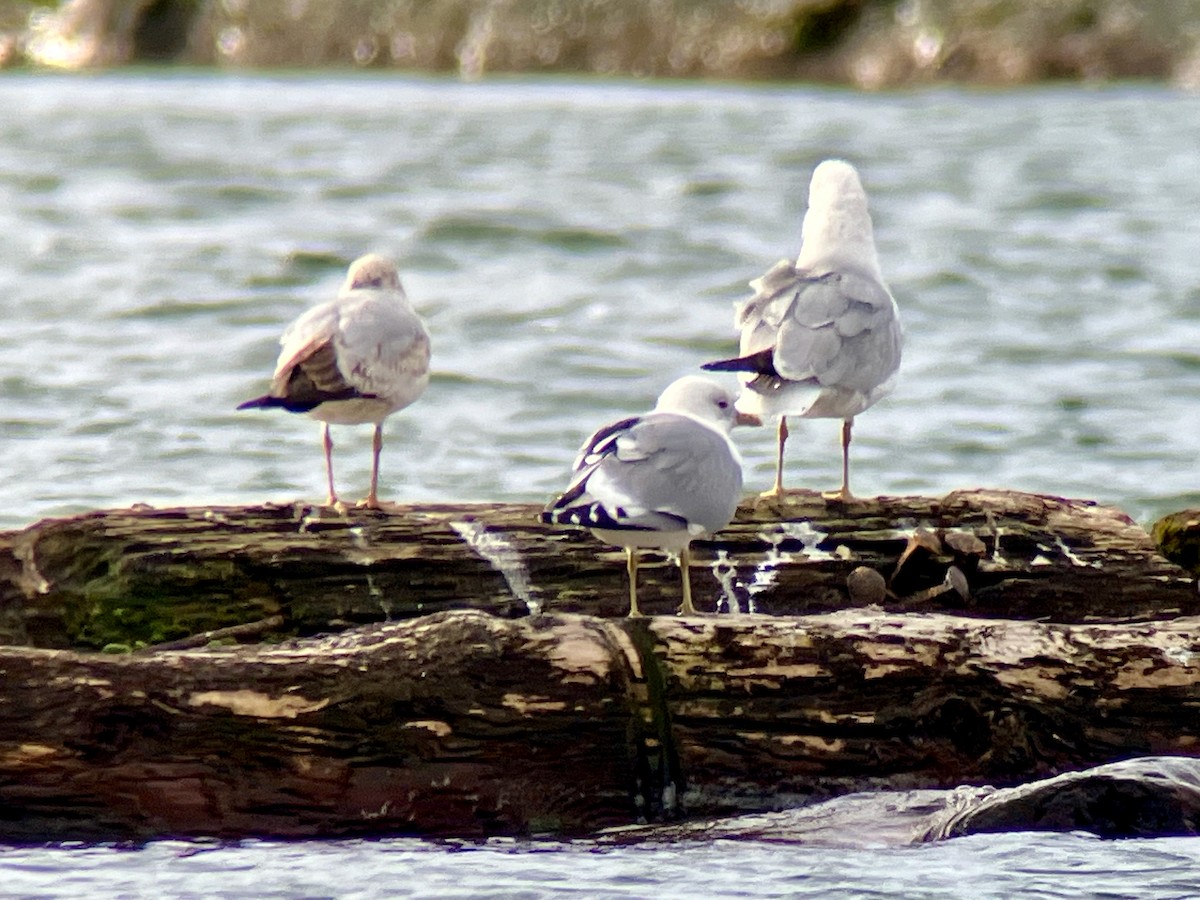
(995, 638)
(462, 723)
(148, 576)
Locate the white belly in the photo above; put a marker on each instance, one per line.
(808, 401)
(353, 412)
(672, 541)
(362, 410)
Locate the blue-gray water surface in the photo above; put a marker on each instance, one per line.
(574, 246)
(992, 867)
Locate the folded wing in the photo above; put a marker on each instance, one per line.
(837, 329)
(658, 472)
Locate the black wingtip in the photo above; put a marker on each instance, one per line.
(724, 365)
(561, 512)
(594, 515)
(259, 402)
(762, 363)
(293, 406)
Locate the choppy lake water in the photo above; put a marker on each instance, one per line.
(573, 247)
(993, 867)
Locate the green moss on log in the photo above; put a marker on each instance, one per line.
(147, 577)
(112, 596)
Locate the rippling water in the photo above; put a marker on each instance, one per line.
(573, 247)
(999, 867)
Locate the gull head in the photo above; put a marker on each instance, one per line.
(837, 229)
(835, 183)
(705, 400)
(372, 271)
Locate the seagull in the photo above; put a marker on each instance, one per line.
(355, 359)
(820, 338)
(659, 479)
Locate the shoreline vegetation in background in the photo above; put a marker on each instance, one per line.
(869, 44)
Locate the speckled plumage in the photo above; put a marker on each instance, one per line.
(353, 360)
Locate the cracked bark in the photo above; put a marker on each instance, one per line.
(1074, 646)
(146, 576)
(462, 723)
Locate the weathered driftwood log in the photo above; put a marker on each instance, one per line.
(148, 576)
(457, 723)
(464, 723)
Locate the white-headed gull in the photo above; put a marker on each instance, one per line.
(352, 360)
(820, 338)
(659, 479)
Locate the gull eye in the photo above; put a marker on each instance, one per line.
(723, 404)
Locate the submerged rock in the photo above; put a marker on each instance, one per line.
(1153, 796)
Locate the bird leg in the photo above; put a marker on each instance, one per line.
(846, 426)
(372, 501)
(327, 441)
(844, 493)
(631, 563)
(783, 436)
(685, 567)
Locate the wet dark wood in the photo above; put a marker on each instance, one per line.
(1146, 797)
(802, 708)
(898, 644)
(462, 723)
(458, 723)
(146, 576)
(1151, 796)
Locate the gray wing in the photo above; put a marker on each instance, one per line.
(307, 372)
(659, 472)
(365, 343)
(759, 317)
(837, 329)
(382, 346)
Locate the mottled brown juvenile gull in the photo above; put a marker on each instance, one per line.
(352, 360)
(659, 479)
(820, 338)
